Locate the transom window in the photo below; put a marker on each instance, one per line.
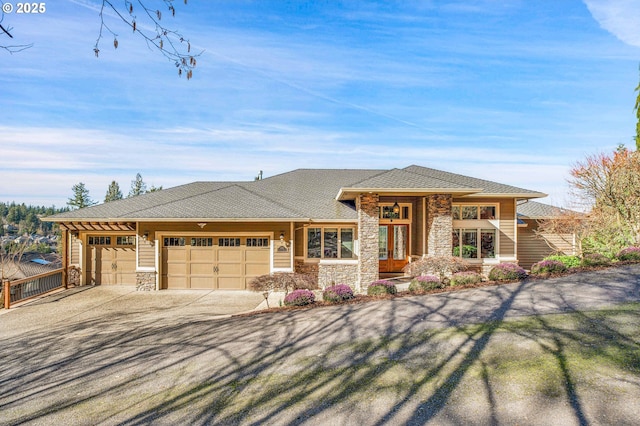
(257, 242)
(100, 241)
(201, 242)
(330, 243)
(385, 211)
(229, 242)
(467, 245)
(473, 212)
(126, 240)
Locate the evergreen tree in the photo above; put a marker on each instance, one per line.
(137, 186)
(113, 192)
(154, 188)
(80, 197)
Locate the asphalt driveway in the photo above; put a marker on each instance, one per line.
(91, 356)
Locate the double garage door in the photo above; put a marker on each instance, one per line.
(213, 262)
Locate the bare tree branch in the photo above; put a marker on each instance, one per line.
(6, 31)
(170, 43)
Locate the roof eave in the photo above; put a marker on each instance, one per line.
(519, 195)
(181, 219)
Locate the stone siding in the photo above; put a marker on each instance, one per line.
(74, 276)
(439, 225)
(368, 224)
(145, 281)
(306, 268)
(331, 274)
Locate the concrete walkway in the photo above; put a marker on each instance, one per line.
(116, 356)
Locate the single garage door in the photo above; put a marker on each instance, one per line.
(112, 259)
(213, 262)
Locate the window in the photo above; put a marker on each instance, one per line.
(330, 243)
(386, 211)
(346, 243)
(463, 212)
(257, 242)
(229, 242)
(314, 243)
(201, 242)
(100, 241)
(467, 245)
(174, 242)
(126, 240)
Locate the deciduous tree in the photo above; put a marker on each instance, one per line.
(610, 185)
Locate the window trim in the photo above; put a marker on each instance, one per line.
(400, 219)
(479, 230)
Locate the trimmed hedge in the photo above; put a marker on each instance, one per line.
(299, 298)
(337, 293)
(507, 272)
(381, 287)
(423, 283)
(465, 278)
(548, 267)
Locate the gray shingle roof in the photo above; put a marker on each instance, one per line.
(537, 210)
(488, 187)
(299, 194)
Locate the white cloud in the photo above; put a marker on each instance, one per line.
(620, 17)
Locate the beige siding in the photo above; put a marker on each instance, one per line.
(146, 253)
(281, 259)
(74, 249)
(533, 248)
(507, 229)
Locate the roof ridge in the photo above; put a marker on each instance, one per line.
(372, 176)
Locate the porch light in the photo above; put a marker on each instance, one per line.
(281, 235)
(396, 209)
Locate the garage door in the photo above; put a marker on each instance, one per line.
(112, 259)
(213, 262)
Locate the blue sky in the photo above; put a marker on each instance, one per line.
(512, 91)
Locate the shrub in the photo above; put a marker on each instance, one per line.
(283, 281)
(568, 261)
(441, 266)
(380, 287)
(595, 259)
(465, 278)
(629, 254)
(425, 283)
(507, 272)
(548, 267)
(299, 298)
(337, 293)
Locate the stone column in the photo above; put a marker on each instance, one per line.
(368, 223)
(439, 225)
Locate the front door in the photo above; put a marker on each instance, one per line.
(393, 242)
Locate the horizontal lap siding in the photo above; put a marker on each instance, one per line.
(507, 229)
(146, 254)
(533, 248)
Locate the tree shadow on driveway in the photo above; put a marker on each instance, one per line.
(415, 360)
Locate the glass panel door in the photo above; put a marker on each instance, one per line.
(399, 242)
(383, 241)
